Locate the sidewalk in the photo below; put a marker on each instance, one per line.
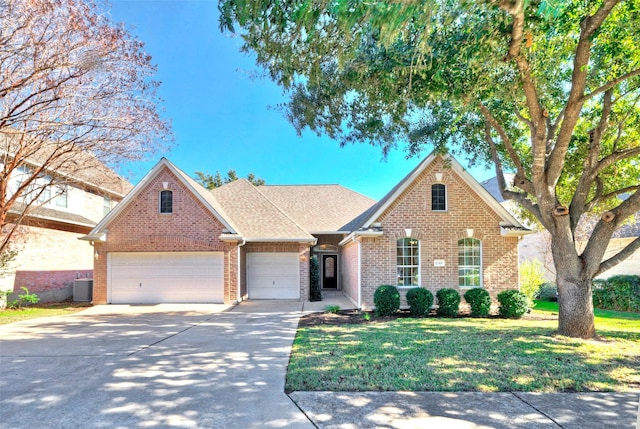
(468, 410)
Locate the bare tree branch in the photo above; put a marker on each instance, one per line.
(611, 84)
(625, 253)
(73, 86)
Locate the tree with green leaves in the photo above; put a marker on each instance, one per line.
(212, 181)
(545, 89)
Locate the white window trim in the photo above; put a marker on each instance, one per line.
(446, 198)
(419, 264)
(160, 202)
(481, 285)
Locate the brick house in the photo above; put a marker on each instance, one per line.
(76, 195)
(171, 240)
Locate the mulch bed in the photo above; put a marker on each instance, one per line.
(356, 317)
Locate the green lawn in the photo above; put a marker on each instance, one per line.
(467, 354)
(43, 310)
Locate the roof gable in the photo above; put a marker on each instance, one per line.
(197, 190)
(368, 218)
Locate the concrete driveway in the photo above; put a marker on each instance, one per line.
(150, 366)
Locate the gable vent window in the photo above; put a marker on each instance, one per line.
(166, 202)
(438, 197)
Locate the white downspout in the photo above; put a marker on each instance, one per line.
(359, 244)
(238, 277)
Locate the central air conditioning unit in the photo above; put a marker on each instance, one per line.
(83, 290)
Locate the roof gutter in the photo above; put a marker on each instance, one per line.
(354, 236)
(99, 236)
(311, 240)
(514, 231)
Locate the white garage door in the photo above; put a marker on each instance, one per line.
(273, 275)
(167, 277)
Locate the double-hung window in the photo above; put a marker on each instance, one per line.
(166, 202)
(408, 262)
(438, 197)
(469, 262)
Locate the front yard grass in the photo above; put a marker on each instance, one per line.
(466, 354)
(40, 310)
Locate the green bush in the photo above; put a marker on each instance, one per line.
(448, 302)
(513, 304)
(531, 278)
(548, 291)
(420, 301)
(314, 279)
(386, 300)
(479, 300)
(24, 298)
(620, 293)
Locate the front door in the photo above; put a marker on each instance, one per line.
(330, 271)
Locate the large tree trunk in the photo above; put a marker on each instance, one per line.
(576, 307)
(574, 287)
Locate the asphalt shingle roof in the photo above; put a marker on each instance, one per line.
(255, 215)
(318, 208)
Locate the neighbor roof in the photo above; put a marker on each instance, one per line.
(318, 208)
(78, 166)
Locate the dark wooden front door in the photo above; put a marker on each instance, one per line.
(330, 272)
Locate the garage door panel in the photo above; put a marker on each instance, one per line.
(273, 275)
(178, 277)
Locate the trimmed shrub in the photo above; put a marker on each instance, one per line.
(548, 292)
(513, 304)
(479, 300)
(420, 301)
(314, 279)
(386, 300)
(621, 293)
(448, 302)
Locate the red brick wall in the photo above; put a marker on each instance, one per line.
(349, 263)
(41, 281)
(141, 228)
(438, 233)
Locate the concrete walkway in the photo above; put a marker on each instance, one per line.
(469, 410)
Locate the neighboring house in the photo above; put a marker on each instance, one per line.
(537, 246)
(171, 240)
(50, 257)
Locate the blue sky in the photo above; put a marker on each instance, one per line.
(221, 116)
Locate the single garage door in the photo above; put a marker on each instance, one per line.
(273, 275)
(166, 277)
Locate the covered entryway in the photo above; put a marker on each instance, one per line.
(330, 271)
(165, 277)
(273, 275)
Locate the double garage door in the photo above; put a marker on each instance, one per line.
(197, 277)
(171, 277)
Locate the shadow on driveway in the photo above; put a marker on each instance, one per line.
(165, 368)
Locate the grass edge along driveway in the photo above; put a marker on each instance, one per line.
(466, 354)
